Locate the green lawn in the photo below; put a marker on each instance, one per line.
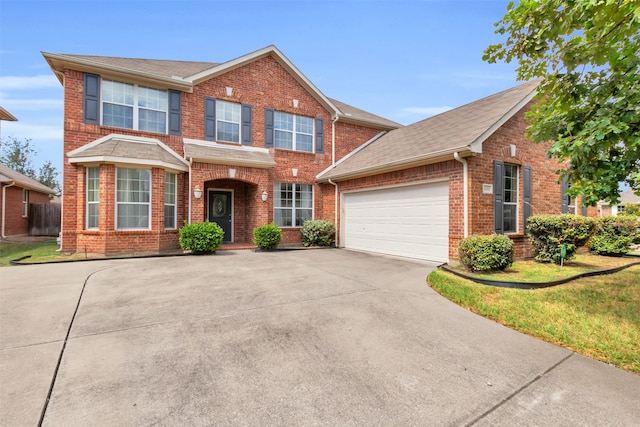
(598, 317)
(40, 252)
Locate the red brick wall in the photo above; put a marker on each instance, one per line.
(14, 223)
(262, 84)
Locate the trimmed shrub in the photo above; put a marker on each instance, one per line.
(549, 232)
(318, 232)
(486, 253)
(201, 237)
(267, 236)
(614, 235)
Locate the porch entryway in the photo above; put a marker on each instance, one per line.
(221, 212)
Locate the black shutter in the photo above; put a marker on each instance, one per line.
(246, 124)
(210, 118)
(527, 209)
(564, 198)
(268, 127)
(319, 136)
(91, 99)
(498, 196)
(175, 112)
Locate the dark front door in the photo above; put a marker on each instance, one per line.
(221, 213)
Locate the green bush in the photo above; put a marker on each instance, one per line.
(549, 232)
(201, 236)
(318, 232)
(630, 209)
(486, 253)
(267, 236)
(614, 235)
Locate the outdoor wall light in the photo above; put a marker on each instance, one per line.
(265, 195)
(197, 192)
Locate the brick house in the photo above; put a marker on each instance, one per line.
(18, 191)
(605, 208)
(150, 144)
(418, 190)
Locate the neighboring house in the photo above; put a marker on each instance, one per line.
(605, 208)
(18, 191)
(418, 190)
(7, 116)
(151, 144)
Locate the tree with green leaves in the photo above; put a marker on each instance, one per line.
(587, 55)
(18, 155)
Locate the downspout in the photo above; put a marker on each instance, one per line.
(335, 209)
(465, 192)
(189, 195)
(333, 140)
(4, 204)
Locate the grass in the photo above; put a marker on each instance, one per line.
(598, 317)
(40, 252)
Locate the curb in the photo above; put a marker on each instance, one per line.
(535, 285)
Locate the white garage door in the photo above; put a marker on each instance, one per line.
(410, 221)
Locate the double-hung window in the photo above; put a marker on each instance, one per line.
(93, 197)
(133, 198)
(169, 200)
(227, 121)
(293, 132)
(131, 106)
(25, 202)
(292, 204)
(510, 207)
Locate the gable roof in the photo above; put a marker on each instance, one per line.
(435, 139)
(241, 155)
(8, 175)
(184, 75)
(127, 149)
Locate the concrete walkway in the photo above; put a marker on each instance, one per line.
(316, 337)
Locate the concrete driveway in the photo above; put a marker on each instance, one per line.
(310, 337)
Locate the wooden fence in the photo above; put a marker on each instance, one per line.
(44, 219)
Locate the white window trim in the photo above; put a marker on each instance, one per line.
(94, 202)
(239, 122)
(175, 203)
(150, 203)
(294, 208)
(136, 108)
(295, 132)
(517, 202)
(25, 203)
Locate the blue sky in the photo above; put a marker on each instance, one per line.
(404, 60)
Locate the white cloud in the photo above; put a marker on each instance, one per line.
(36, 132)
(427, 111)
(41, 81)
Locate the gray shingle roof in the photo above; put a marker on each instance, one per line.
(7, 175)
(211, 152)
(458, 130)
(128, 149)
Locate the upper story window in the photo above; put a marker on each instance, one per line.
(293, 132)
(131, 106)
(227, 121)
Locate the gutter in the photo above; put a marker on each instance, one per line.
(465, 183)
(4, 204)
